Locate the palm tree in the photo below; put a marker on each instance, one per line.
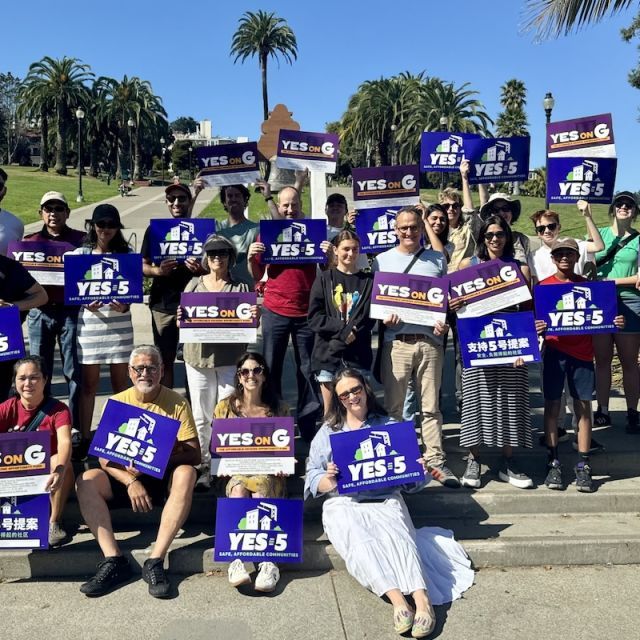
(36, 106)
(264, 35)
(513, 120)
(56, 87)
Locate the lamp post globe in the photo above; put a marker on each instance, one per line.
(80, 117)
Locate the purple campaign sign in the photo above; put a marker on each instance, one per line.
(258, 530)
(488, 287)
(43, 260)
(128, 434)
(498, 159)
(443, 151)
(293, 241)
(499, 338)
(386, 186)
(567, 136)
(24, 453)
(576, 178)
(102, 277)
(178, 239)
(234, 163)
(24, 522)
(307, 150)
(376, 457)
(376, 229)
(416, 299)
(11, 340)
(252, 437)
(577, 307)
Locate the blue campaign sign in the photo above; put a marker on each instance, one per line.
(258, 530)
(11, 340)
(376, 457)
(498, 159)
(376, 228)
(131, 435)
(178, 239)
(573, 179)
(499, 338)
(443, 151)
(24, 522)
(293, 241)
(577, 307)
(102, 277)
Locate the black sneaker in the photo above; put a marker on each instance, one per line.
(554, 476)
(601, 419)
(511, 473)
(445, 476)
(563, 436)
(154, 575)
(596, 447)
(111, 573)
(471, 477)
(583, 477)
(633, 421)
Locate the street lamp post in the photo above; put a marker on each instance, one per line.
(393, 143)
(80, 117)
(162, 141)
(190, 167)
(548, 103)
(443, 127)
(131, 124)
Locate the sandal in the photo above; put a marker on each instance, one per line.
(402, 620)
(423, 623)
(601, 419)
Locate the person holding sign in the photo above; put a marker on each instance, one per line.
(372, 530)
(105, 331)
(619, 262)
(114, 485)
(495, 399)
(339, 315)
(460, 235)
(32, 409)
(211, 367)
(11, 227)
(253, 397)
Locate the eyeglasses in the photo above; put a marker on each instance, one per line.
(541, 228)
(180, 199)
(490, 235)
(107, 224)
(54, 208)
(625, 205)
(355, 391)
(409, 228)
(139, 370)
(222, 253)
(558, 254)
(503, 208)
(451, 205)
(246, 372)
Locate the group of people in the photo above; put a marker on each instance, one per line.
(325, 313)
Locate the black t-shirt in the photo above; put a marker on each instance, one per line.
(165, 290)
(15, 280)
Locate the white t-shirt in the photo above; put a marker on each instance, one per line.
(11, 230)
(543, 264)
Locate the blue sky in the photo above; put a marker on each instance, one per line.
(183, 50)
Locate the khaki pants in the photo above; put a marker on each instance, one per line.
(424, 361)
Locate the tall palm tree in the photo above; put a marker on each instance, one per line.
(57, 86)
(264, 35)
(513, 120)
(37, 106)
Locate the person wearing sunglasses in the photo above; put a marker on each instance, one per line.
(11, 227)
(618, 261)
(253, 397)
(56, 322)
(105, 330)
(461, 234)
(168, 279)
(495, 400)
(211, 368)
(114, 486)
(372, 530)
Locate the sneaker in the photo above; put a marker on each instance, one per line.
(563, 436)
(57, 535)
(596, 447)
(511, 474)
(238, 574)
(554, 476)
(203, 483)
(76, 437)
(111, 573)
(633, 421)
(471, 477)
(155, 576)
(601, 419)
(267, 577)
(444, 476)
(584, 482)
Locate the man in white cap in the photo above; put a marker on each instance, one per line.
(11, 227)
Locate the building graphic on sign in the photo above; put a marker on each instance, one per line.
(386, 221)
(140, 428)
(577, 298)
(499, 151)
(497, 328)
(263, 518)
(7, 508)
(377, 445)
(585, 172)
(106, 269)
(453, 144)
(183, 231)
(296, 232)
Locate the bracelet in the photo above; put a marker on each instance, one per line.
(268, 198)
(131, 482)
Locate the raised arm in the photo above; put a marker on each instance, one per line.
(595, 242)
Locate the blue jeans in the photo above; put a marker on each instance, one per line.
(276, 330)
(57, 323)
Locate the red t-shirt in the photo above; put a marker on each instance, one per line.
(581, 346)
(13, 414)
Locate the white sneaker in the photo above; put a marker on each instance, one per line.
(267, 577)
(238, 575)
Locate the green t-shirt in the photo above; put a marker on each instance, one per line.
(242, 235)
(623, 265)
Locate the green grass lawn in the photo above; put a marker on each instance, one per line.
(26, 185)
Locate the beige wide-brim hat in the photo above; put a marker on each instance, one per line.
(485, 211)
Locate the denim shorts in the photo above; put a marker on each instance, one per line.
(328, 376)
(557, 366)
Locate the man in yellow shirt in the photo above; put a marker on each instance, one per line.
(115, 485)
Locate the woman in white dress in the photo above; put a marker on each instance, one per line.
(372, 530)
(105, 331)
